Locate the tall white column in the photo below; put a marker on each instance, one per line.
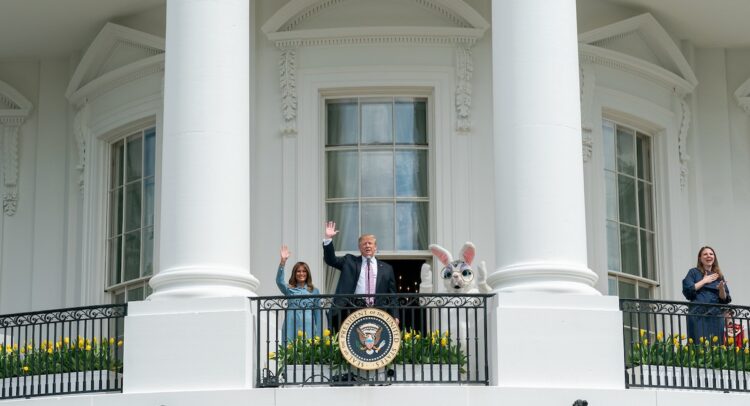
(205, 199)
(539, 201)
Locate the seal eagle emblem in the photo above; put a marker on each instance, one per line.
(369, 339)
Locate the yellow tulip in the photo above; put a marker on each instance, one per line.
(326, 333)
(111, 341)
(25, 369)
(407, 336)
(447, 334)
(645, 341)
(443, 342)
(119, 343)
(747, 350)
(659, 336)
(328, 342)
(271, 355)
(23, 350)
(300, 333)
(730, 340)
(682, 336)
(49, 350)
(714, 339)
(66, 340)
(643, 332)
(690, 341)
(702, 339)
(58, 345)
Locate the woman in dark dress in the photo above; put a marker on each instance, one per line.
(705, 284)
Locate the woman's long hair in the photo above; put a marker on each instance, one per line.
(308, 280)
(714, 268)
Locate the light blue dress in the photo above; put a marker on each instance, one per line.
(301, 314)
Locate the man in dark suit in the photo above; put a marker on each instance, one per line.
(361, 274)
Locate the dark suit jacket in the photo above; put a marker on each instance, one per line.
(351, 266)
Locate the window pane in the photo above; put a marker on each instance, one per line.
(135, 294)
(610, 183)
(343, 174)
(613, 246)
(134, 158)
(611, 286)
(133, 206)
(118, 151)
(115, 212)
(377, 174)
(377, 123)
(625, 152)
(149, 291)
(343, 122)
(629, 249)
(626, 290)
(132, 255)
(411, 173)
(644, 156)
(411, 122)
(626, 201)
(645, 201)
(412, 226)
(346, 217)
(120, 299)
(647, 255)
(148, 251)
(644, 292)
(148, 201)
(149, 152)
(115, 260)
(377, 219)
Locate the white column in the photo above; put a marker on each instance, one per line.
(205, 199)
(540, 224)
(548, 313)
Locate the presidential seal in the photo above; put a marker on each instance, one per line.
(369, 339)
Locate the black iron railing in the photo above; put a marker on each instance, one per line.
(443, 340)
(55, 352)
(683, 345)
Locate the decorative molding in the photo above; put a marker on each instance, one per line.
(89, 79)
(376, 35)
(655, 37)
(464, 71)
(684, 126)
(592, 49)
(82, 133)
(587, 83)
(10, 169)
(742, 95)
(293, 13)
(288, 84)
(14, 109)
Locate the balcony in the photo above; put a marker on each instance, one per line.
(678, 345)
(443, 340)
(65, 351)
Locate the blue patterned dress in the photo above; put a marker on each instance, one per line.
(301, 314)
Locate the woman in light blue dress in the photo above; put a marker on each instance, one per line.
(302, 315)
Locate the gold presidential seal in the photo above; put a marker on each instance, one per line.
(369, 339)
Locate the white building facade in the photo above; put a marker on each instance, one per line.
(160, 153)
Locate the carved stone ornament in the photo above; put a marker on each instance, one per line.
(684, 126)
(464, 71)
(288, 84)
(588, 81)
(14, 108)
(82, 132)
(288, 31)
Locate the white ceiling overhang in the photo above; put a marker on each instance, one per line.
(642, 46)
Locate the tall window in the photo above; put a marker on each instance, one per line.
(631, 233)
(131, 208)
(377, 171)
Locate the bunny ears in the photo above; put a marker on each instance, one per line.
(466, 254)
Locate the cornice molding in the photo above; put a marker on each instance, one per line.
(742, 95)
(376, 35)
(653, 34)
(613, 59)
(14, 109)
(88, 82)
(292, 14)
